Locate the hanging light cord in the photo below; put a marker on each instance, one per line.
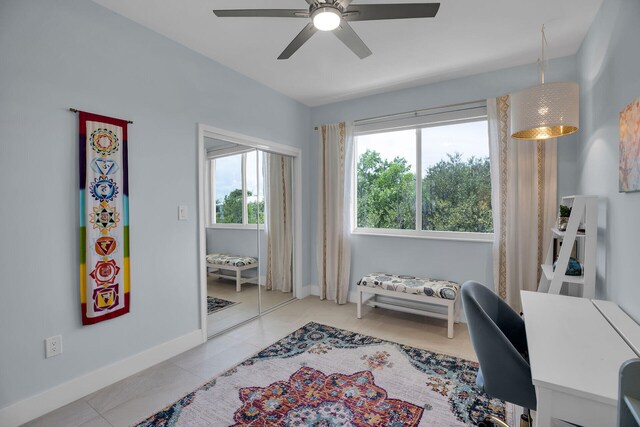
(541, 61)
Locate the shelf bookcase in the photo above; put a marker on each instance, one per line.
(584, 211)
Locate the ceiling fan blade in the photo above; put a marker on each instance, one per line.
(349, 37)
(262, 13)
(343, 3)
(371, 12)
(298, 41)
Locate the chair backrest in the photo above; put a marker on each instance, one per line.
(499, 340)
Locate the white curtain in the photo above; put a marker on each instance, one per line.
(524, 203)
(334, 194)
(278, 221)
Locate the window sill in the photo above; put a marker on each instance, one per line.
(433, 235)
(234, 227)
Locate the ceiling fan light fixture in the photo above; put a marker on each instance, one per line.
(326, 18)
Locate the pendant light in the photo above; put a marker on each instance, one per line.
(548, 110)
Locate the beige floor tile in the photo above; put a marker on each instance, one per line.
(140, 395)
(72, 415)
(97, 422)
(204, 352)
(265, 329)
(247, 305)
(224, 360)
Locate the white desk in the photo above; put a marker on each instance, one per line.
(575, 356)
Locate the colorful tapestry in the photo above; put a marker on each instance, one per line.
(104, 218)
(324, 376)
(216, 304)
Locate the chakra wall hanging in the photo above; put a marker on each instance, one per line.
(104, 218)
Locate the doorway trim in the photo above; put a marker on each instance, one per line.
(206, 131)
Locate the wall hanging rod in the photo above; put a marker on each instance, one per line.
(75, 110)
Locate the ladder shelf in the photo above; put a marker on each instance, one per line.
(582, 227)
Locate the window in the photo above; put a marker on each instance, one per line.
(426, 175)
(386, 181)
(255, 196)
(236, 196)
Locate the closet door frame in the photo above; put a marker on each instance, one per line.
(206, 131)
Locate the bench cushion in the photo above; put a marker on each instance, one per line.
(234, 260)
(444, 289)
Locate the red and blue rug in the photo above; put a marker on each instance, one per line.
(324, 376)
(216, 304)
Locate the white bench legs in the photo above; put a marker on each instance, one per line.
(450, 318)
(452, 306)
(217, 273)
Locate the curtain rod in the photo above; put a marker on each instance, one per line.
(75, 110)
(415, 112)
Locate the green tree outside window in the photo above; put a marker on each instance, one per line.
(229, 209)
(456, 194)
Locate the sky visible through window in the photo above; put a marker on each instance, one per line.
(229, 174)
(252, 177)
(469, 139)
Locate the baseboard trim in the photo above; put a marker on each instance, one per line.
(65, 393)
(314, 290)
(304, 292)
(352, 297)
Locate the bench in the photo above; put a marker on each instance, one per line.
(238, 264)
(437, 292)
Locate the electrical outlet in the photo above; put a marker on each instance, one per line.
(53, 346)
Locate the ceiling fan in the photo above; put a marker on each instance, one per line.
(334, 15)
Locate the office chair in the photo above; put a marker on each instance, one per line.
(499, 340)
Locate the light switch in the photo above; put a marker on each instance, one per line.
(183, 213)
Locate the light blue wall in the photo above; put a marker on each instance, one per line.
(68, 53)
(455, 260)
(237, 242)
(609, 70)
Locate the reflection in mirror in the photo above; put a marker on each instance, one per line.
(276, 254)
(234, 206)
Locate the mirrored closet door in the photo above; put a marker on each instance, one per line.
(235, 218)
(249, 232)
(277, 235)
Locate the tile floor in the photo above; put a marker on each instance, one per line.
(247, 306)
(139, 396)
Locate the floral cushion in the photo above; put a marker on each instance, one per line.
(234, 260)
(444, 289)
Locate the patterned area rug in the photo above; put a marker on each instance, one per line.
(324, 376)
(216, 304)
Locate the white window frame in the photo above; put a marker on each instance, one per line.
(418, 120)
(211, 190)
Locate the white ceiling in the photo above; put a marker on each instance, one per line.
(465, 38)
